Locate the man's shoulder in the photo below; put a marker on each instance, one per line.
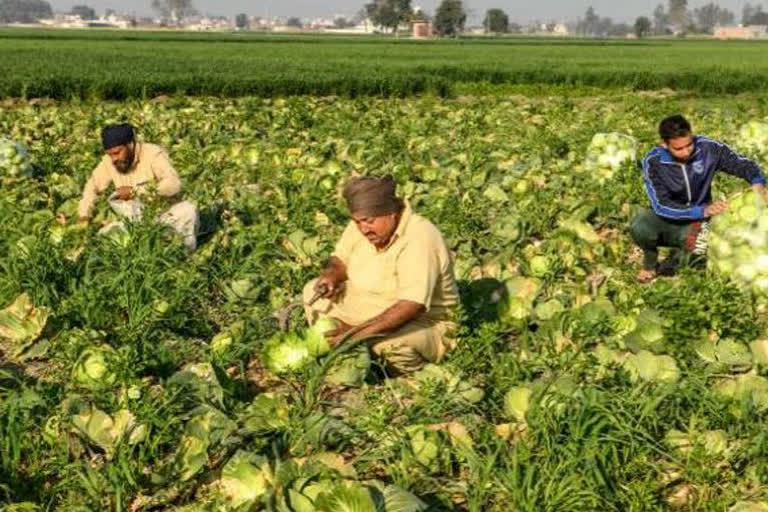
(105, 161)
(149, 150)
(421, 228)
(703, 141)
(656, 153)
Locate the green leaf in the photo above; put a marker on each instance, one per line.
(346, 499)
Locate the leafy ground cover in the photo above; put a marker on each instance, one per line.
(145, 64)
(132, 376)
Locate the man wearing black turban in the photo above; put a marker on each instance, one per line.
(133, 167)
(394, 268)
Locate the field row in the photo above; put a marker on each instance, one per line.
(78, 64)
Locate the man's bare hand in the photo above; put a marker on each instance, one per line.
(331, 280)
(328, 285)
(334, 336)
(645, 276)
(125, 193)
(715, 208)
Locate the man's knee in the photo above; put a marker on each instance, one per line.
(184, 213)
(399, 357)
(642, 231)
(409, 349)
(183, 218)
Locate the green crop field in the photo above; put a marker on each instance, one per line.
(117, 65)
(134, 376)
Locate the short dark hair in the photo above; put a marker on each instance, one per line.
(673, 127)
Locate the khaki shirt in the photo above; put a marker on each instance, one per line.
(151, 164)
(416, 266)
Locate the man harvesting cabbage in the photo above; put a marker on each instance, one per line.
(392, 267)
(133, 168)
(678, 180)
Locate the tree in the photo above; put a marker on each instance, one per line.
(496, 21)
(342, 22)
(450, 18)
(241, 21)
(589, 24)
(678, 12)
(618, 29)
(389, 13)
(85, 12)
(605, 27)
(593, 25)
(760, 18)
(418, 15)
(726, 17)
(754, 15)
(294, 22)
(660, 20)
(24, 11)
(709, 16)
(175, 10)
(515, 28)
(747, 12)
(642, 27)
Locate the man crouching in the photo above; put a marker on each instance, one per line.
(133, 167)
(392, 268)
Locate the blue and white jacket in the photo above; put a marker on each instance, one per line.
(681, 191)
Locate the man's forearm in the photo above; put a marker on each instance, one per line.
(393, 318)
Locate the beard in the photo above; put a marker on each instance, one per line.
(124, 165)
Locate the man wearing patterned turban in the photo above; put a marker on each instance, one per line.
(133, 167)
(392, 270)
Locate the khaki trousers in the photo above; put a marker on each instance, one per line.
(405, 350)
(182, 217)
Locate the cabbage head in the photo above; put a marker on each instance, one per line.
(286, 353)
(649, 367)
(92, 369)
(244, 479)
(517, 402)
(738, 243)
(14, 160)
(21, 323)
(315, 336)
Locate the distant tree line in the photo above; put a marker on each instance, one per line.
(85, 12)
(449, 20)
(450, 17)
(754, 15)
(677, 18)
(24, 11)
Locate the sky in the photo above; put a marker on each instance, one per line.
(521, 11)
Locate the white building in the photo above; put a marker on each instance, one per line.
(65, 21)
(205, 23)
(366, 26)
(742, 32)
(75, 21)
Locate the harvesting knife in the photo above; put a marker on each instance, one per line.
(285, 313)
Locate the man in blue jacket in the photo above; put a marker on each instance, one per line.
(678, 180)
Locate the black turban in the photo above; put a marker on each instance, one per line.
(372, 197)
(116, 135)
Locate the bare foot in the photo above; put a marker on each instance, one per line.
(646, 276)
